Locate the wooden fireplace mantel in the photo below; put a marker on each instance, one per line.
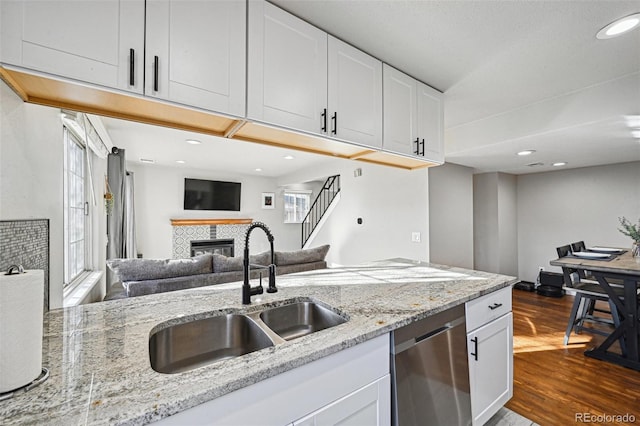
(191, 222)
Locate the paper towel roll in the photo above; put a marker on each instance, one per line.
(20, 328)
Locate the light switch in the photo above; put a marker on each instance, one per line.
(415, 237)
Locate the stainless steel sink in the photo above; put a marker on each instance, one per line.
(189, 345)
(185, 346)
(299, 319)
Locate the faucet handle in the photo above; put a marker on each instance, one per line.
(272, 279)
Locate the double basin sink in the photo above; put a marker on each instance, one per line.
(188, 345)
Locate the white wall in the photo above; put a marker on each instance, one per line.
(31, 174)
(31, 180)
(562, 207)
(451, 215)
(159, 193)
(485, 222)
(495, 223)
(392, 203)
(508, 224)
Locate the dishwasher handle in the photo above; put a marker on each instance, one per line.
(408, 344)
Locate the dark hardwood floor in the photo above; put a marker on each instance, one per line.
(552, 383)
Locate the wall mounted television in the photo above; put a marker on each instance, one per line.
(202, 194)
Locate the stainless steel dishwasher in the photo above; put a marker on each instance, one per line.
(430, 371)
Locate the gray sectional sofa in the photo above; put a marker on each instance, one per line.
(138, 277)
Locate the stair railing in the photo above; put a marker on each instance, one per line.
(329, 190)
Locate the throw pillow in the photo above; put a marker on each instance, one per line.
(223, 263)
(316, 254)
(154, 269)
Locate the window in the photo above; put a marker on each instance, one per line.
(75, 223)
(296, 206)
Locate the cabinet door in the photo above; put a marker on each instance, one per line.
(195, 53)
(287, 72)
(355, 95)
(430, 121)
(88, 41)
(490, 367)
(400, 126)
(370, 405)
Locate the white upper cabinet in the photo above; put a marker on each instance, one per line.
(195, 53)
(413, 117)
(301, 78)
(100, 42)
(430, 122)
(355, 95)
(287, 77)
(400, 123)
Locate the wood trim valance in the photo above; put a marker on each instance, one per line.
(191, 222)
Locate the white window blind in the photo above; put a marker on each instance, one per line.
(296, 206)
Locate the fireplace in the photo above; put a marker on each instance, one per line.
(218, 246)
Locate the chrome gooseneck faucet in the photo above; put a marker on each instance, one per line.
(247, 290)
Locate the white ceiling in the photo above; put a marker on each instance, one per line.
(516, 74)
(166, 146)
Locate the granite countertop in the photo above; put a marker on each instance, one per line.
(98, 354)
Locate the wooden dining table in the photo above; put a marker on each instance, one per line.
(626, 269)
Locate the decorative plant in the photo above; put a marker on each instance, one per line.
(108, 197)
(629, 229)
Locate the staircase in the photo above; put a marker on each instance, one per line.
(326, 199)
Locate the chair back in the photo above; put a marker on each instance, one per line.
(564, 251)
(578, 246)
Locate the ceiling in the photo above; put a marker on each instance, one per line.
(166, 146)
(516, 75)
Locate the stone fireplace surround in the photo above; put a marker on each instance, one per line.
(186, 230)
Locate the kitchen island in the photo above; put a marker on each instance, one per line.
(98, 354)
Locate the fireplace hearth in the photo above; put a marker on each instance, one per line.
(217, 246)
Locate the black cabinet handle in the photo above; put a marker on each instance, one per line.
(132, 64)
(422, 148)
(324, 120)
(334, 120)
(417, 142)
(495, 306)
(475, 348)
(155, 73)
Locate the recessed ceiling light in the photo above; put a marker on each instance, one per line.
(180, 161)
(619, 27)
(147, 160)
(527, 152)
(193, 141)
(288, 157)
(635, 133)
(258, 169)
(559, 163)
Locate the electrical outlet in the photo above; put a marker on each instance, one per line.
(415, 237)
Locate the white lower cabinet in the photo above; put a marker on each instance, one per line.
(367, 406)
(490, 353)
(350, 387)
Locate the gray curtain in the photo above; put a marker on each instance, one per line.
(116, 176)
(130, 250)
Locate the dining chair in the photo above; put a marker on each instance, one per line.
(578, 246)
(587, 293)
